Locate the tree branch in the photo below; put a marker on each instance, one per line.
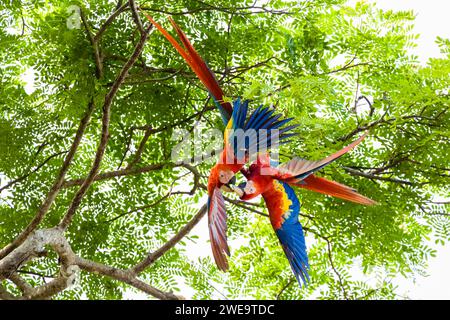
(70, 264)
(110, 20)
(354, 172)
(105, 132)
(141, 148)
(344, 292)
(5, 295)
(153, 256)
(124, 276)
(51, 196)
(136, 17)
(96, 47)
(119, 173)
(23, 177)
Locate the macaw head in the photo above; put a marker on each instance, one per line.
(221, 177)
(256, 184)
(225, 175)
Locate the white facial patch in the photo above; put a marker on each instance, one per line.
(225, 176)
(249, 187)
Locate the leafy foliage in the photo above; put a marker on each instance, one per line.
(338, 70)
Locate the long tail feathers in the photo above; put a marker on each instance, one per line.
(333, 189)
(198, 65)
(298, 169)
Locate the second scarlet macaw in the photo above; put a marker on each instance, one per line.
(275, 186)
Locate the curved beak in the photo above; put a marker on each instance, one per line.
(238, 190)
(232, 187)
(228, 187)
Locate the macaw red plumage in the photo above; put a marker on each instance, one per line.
(275, 186)
(231, 162)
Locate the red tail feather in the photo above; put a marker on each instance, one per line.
(344, 150)
(334, 189)
(195, 61)
(208, 78)
(175, 44)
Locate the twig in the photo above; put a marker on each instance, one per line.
(141, 148)
(23, 177)
(108, 21)
(354, 172)
(94, 43)
(291, 281)
(136, 18)
(153, 256)
(334, 269)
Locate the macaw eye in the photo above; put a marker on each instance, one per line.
(249, 188)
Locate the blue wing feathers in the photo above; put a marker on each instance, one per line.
(292, 238)
(261, 118)
(293, 243)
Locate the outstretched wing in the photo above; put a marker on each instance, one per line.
(299, 173)
(293, 242)
(298, 169)
(284, 209)
(217, 224)
(198, 65)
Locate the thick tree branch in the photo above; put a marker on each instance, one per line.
(21, 284)
(125, 276)
(5, 295)
(70, 264)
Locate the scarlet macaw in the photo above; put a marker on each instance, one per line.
(274, 184)
(229, 163)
